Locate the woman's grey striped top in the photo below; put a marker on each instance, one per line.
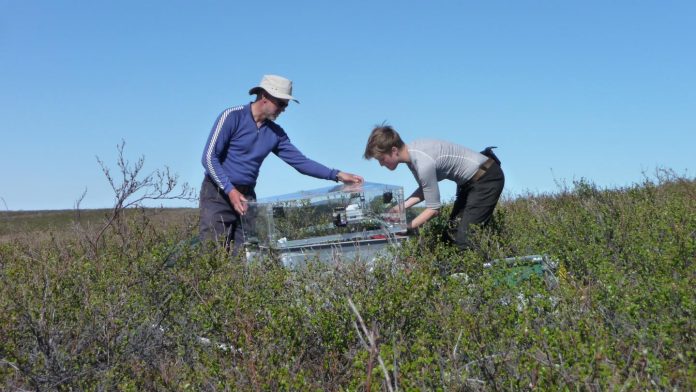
(436, 160)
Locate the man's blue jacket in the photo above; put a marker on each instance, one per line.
(236, 148)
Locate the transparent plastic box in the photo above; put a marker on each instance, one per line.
(340, 222)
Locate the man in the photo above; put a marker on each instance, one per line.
(241, 138)
(479, 179)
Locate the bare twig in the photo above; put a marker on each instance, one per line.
(372, 343)
(78, 202)
(133, 189)
(11, 364)
(456, 344)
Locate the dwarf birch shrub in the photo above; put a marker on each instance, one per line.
(118, 315)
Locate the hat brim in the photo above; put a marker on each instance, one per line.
(258, 89)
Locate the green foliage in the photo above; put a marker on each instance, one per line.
(621, 317)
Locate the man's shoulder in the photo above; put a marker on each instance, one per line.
(234, 110)
(425, 143)
(422, 148)
(233, 116)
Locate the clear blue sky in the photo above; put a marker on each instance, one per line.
(602, 90)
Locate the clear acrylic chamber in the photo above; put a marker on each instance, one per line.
(339, 223)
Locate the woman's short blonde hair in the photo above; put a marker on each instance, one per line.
(381, 141)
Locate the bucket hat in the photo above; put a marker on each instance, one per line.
(276, 86)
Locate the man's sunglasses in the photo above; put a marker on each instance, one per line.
(281, 103)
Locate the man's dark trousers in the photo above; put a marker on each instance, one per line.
(219, 222)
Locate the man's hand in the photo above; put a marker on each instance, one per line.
(396, 209)
(348, 178)
(239, 202)
(393, 215)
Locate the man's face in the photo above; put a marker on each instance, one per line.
(278, 104)
(391, 160)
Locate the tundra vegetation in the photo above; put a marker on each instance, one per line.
(94, 301)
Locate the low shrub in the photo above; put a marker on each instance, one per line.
(120, 316)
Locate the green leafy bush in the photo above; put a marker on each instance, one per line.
(113, 314)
